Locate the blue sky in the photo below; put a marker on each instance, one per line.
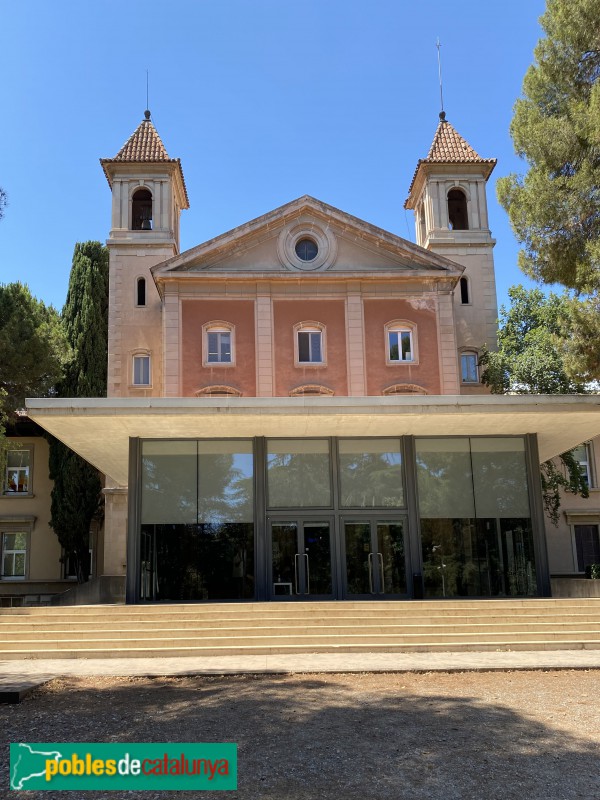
(263, 100)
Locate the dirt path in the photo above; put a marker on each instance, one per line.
(440, 736)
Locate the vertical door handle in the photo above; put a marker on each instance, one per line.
(382, 587)
(296, 557)
(370, 570)
(307, 575)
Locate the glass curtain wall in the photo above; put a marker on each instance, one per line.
(476, 532)
(197, 513)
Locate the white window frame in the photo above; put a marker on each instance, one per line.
(218, 327)
(397, 328)
(464, 355)
(585, 465)
(12, 530)
(308, 327)
(7, 491)
(141, 354)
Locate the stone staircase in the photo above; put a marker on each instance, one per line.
(229, 629)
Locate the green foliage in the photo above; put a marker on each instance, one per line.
(555, 208)
(76, 496)
(582, 342)
(530, 360)
(530, 356)
(593, 571)
(3, 441)
(85, 320)
(33, 347)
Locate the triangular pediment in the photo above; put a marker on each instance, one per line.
(266, 245)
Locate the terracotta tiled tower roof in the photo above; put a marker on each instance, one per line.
(449, 147)
(144, 146)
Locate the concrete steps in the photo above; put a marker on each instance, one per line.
(271, 628)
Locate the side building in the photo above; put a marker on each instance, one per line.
(32, 565)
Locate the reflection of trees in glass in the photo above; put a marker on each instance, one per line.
(225, 490)
(358, 547)
(205, 562)
(442, 560)
(390, 542)
(186, 488)
(169, 488)
(478, 558)
(519, 560)
(298, 479)
(445, 483)
(500, 483)
(371, 480)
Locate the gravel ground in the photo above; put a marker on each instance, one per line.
(440, 736)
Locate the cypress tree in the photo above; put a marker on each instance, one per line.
(77, 492)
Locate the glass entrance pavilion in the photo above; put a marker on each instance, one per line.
(333, 518)
(284, 499)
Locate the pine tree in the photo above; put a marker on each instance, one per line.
(76, 496)
(555, 208)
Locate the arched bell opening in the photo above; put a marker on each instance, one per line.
(141, 210)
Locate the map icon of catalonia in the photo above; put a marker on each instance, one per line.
(29, 763)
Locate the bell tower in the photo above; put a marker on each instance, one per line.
(448, 197)
(148, 194)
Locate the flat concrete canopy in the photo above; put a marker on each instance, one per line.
(99, 429)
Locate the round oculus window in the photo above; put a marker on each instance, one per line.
(306, 249)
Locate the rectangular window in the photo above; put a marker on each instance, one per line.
(400, 346)
(469, 368)
(309, 347)
(141, 370)
(581, 454)
(219, 347)
(18, 465)
(14, 555)
(69, 565)
(588, 546)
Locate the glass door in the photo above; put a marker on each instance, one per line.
(375, 557)
(301, 554)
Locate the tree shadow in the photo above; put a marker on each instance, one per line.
(307, 737)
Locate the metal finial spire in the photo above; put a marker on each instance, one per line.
(147, 111)
(442, 112)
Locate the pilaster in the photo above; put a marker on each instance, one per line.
(264, 341)
(355, 333)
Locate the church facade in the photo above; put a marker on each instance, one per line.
(294, 408)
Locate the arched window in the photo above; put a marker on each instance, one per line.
(312, 389)
(218, 344)
(457, 210)
(218, 391)
(310, 344)
(469, 367)
(403, 388)
(400, 342)
(140, 294)
(465, 298)
(141, 210)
